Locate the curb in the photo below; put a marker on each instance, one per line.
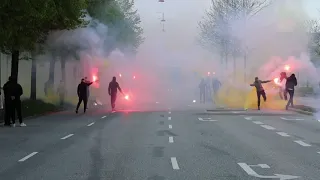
(301, 111)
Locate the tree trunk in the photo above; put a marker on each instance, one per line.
(15, 63)
(48, 87)
(33, 91)
(63, 79)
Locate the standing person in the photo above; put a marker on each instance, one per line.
(112, 90)
(82, 94)
(7, 89)
(260, 90)
(88, 90)
(202, 87)
(13, 91)
(290, 84)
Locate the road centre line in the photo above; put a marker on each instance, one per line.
(90, 124)
(170, 126)
(67, 136)
(169, 118)
(28, 156)
(103, 117)
(302, 143)
(170, 139)
(169, 112)
(268, 127)
(174, 163)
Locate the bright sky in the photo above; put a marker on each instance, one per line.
(182, 17)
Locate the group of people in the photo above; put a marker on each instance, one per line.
(12, 102)
(83, 93)
(291, 82)
(207, 87)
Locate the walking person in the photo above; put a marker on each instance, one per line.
(13, 92)
(260, 90)
(82, 92)
(290, 84)
(113, 90)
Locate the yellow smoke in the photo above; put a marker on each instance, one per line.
(232, 96)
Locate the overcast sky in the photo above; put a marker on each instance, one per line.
(182, 18)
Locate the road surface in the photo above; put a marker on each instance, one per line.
(162, 145)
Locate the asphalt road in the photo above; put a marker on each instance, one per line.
(187, 144)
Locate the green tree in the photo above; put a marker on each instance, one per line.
(69, 14)
(26, 24)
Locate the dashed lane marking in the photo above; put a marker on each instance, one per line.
(268, 127)
(283, 134)
(90, 124)
(170, 139)
(28, 156)
(170, 126)
(103, 117)
(257, 122)
(302, 143)
(169, 118)
(66, 137)
(174, 163)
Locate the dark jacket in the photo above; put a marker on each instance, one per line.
(291, 82)
(11, 88)
(113, 88)
(83, 89)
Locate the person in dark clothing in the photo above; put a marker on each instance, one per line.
(112, 90)
(13, 91)
(290, 84)
(202, 87)
(83, 94)
(260, 90)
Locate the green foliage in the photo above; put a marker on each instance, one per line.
(24, 23)
(122, 21)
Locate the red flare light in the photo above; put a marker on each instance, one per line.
(94, 78)
(276, 81)
(287, 67)
(126, 97)
(208, 73)
(120, 75)
(134, 77)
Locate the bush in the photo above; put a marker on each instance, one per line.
(37, 107)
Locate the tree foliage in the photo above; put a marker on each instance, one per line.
(122, 21)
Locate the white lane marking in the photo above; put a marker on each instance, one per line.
(170, 126)
(292, 119)
(67, 136)
(28, 156)
(318, 120)
(302, 143)
(318, 152)
(170, 139)
(283, 134)
(248, 118)
(169, 112)
(257, 122)
(169, 118)
(268, 127)
(90, 124)
(103, 117)
(174, 163)
(207, 119)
